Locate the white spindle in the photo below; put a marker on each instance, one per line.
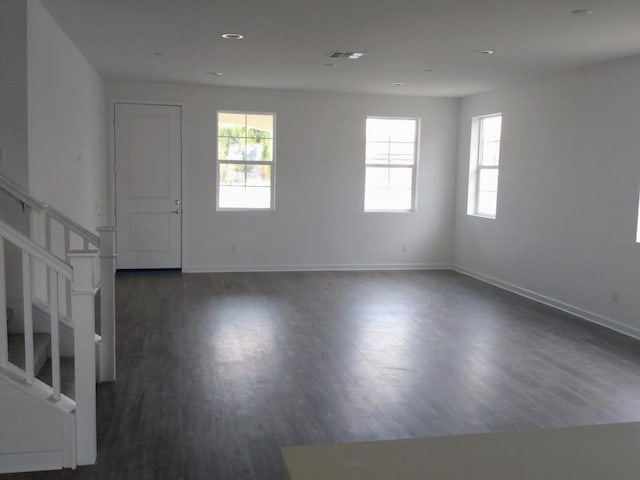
(83, 298)
(54, 279)
(47, 232)
(67, 241)
(67, 289)
(4, 345)
(48, 246)
(28, 317)
(67, 295)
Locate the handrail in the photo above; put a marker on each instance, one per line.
(15, 191)
(32, 248)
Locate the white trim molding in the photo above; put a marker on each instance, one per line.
(314, 268)
(552, 302)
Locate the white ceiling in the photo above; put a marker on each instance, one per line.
(286, 41)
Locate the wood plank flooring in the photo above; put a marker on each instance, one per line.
(217, 371)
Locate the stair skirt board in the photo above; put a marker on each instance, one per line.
(31, 462)
(32, 426)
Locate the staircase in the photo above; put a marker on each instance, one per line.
(51, 353)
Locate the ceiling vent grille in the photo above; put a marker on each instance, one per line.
(348, 55)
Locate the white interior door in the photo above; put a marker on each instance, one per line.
(148, 185)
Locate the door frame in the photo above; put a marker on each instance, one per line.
(112, 164)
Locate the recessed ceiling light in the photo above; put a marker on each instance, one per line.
(582, 11)
(232, 36)
(398, 84)
(484, 52)
(215, 74)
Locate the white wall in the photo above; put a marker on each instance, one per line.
(67, 166)
(568, 199)
(319, 220)
(13, 130)
(13, 91)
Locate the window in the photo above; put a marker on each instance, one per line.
(484, 165)
(391, 153)
(246, 160)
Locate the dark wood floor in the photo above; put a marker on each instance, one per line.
(216, 372)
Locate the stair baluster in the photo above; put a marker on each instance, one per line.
(27, 315)
(54, 280)
(4, 336)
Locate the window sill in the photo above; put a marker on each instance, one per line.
(479, 215)
(390, 211)
(245, 210)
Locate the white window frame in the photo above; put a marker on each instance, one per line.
(271, 163)
(638, 222)
(476, 166)
(414, 166)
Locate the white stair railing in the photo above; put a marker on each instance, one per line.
(29, 251)
(81, 273)
(46, 221)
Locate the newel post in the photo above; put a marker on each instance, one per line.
(83, 316)
(107, 304)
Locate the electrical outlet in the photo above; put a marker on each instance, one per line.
(615, 296)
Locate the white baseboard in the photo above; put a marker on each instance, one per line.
(30, 462)
(313, 268)
(552, 302)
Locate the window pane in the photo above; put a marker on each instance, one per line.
(245, 139)
(401, 178)
(385, 199)
(259, 175)
(390, 141)
(402, 130)
(231, 197)
(491, 127)
(402, 153)
(231, 148)
(490, 154)
(487, 203)
(378, 152)
(488, 181)
(258, 197)
(375, 199)
(232, 124)
(377, 178)
(232, 174)
(259, 149)
(399, 199)
(378, 129)
(260, 126)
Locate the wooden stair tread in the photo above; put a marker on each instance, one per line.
(41, 344)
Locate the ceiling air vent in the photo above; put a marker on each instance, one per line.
(348, 55)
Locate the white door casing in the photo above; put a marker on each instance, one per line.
(148, 161)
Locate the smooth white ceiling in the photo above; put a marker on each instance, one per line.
(286, 41)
